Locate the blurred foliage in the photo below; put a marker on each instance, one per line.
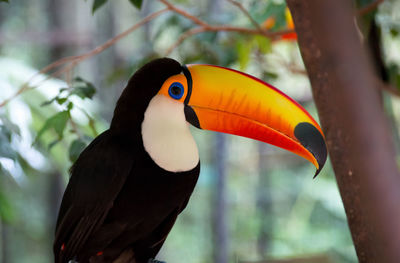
(58, 122)
(137, 3)
(274, 209)
(99, 3)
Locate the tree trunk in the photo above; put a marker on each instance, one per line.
(345, 88)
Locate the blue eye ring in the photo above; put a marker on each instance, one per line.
(176, 90)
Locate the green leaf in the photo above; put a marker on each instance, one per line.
(70, 106)
(57, 122)
(244, 51)
(394, 32)
(61, 100)
(85, 92)
(7, 212)
(48, 102)
(397, 81)
(97, 4)
(4, 1)
(6, 150)
(270, 75)
(53, 143)
(264, 44)
(11, 127)
(79, 79)
(58, 99)
(261, 11)
(137, 3)
(75, 149)
(83, 89)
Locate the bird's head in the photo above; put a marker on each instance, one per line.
(163, 96)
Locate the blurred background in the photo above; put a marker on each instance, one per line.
(253, 202)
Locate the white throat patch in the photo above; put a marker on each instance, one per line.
(166, 135)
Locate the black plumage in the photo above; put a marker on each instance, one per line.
(119, 203)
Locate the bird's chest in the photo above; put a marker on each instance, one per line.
(154, 191)
(157, 184)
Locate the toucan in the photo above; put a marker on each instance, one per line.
(132, 181)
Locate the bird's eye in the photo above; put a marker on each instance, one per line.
(176, 90)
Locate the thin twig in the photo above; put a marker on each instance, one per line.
(246, 13)
(184, 36)
(205, 27)
(184, 13)
(368, 8)
(202, 27)
(74, 60)
(244, 30)
(92, 123)
(225, 28)
(74, 128)
(392, 90)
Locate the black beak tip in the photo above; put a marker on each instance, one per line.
(310, 137)
(316, 173)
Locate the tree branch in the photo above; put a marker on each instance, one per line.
(205, 27)
(368, 8)
(226, 28)
(184, 13)
(184, 36)
(70, 62)
(389, 88)
(246, 13)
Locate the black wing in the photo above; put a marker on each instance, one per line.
(96, 179)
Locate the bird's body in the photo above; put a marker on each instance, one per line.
(118, 199)
(130, 184)
(125, 221)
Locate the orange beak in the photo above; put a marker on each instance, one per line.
(225, 100)
(229, 101)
